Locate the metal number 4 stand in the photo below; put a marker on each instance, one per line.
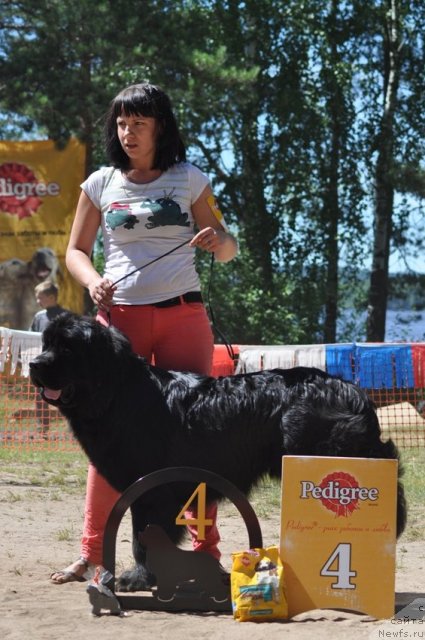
(186, 580)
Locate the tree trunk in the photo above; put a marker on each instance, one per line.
(259, 227)
(332, 253)
(86, 111)
(384, 181)
(331, 204)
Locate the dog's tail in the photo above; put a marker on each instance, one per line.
(390, 451)
(372, 445)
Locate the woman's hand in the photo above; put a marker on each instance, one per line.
(208, 239)
(101, 292)
(216, 241)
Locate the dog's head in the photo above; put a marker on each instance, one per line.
(265, 565)
(44, 265)
(79, 362)
(12, 271)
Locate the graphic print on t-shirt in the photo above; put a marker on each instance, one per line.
(165, 212)
(119, 215)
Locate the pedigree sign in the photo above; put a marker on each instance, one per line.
(23, 198)
(39, 190)
(338, 534)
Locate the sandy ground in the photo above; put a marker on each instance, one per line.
(40, 532)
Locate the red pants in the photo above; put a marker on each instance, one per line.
(178, 338)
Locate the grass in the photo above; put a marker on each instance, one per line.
(413, 461)
(11, 497)
(63, 470)
(266, 498)
(65, 535)
(66, 471)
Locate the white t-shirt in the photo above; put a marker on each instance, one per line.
(140, 222)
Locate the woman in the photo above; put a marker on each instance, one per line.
(147, 204)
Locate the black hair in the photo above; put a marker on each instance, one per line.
(150, 101)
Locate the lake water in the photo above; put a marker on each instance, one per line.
(402, 325)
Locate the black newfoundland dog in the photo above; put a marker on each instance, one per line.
(132, 419)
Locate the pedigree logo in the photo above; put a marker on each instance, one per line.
(20, 192)
(338, 492)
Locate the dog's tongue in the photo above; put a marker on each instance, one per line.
(52, 394)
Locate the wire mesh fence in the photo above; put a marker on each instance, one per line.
(392, 374)
(26, 421)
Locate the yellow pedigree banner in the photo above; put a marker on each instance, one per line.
(338, 534)
(39, 190)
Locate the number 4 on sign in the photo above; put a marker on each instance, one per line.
(342, 556)
(200, 521)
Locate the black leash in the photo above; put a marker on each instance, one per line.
(127, 275)
(228, 346)
(147, 264)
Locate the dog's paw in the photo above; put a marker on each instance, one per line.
(137, 579)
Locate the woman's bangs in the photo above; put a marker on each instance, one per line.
(134, 106)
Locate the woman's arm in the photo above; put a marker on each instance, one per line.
(78, 254)
(212, 237)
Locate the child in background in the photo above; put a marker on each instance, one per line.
(46, 294)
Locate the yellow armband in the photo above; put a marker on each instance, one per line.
(216, 211)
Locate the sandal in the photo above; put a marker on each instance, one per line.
(72, 575)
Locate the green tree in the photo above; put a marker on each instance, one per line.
(281, 102)
(398, 58)
(61, 62)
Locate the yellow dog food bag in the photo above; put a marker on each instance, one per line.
(257, 585)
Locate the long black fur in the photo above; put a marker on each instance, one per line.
(132, 418)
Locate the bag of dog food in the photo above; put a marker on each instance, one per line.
(257, 585)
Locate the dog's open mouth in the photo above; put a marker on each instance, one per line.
(52, 394)
(43, 272)
(58, 396)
